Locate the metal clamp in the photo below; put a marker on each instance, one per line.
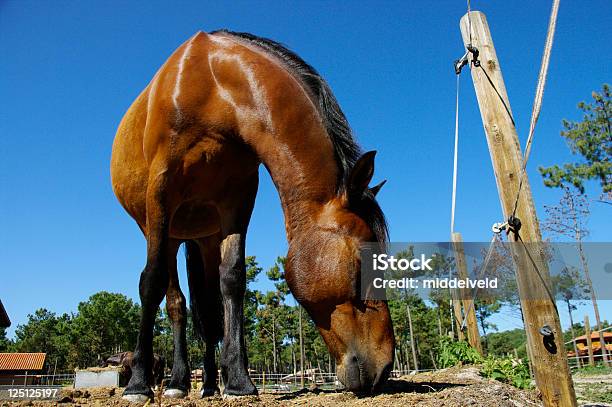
(460, 63)
(474, 51)
(546, 331)
(463, 61)
(514, 223)
(498, 227)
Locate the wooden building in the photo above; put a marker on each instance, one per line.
(583, 350)
(5, 322)
(21, 368)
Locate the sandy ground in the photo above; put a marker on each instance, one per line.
(450, 387)
(594, 390)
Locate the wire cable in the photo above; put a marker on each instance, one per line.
(454, 196)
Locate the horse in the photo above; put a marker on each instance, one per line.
(184, 166)
(125, 360)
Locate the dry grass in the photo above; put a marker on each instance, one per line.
(449, 387)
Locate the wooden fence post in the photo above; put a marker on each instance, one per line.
(412, 344)
(457, 312)
(544, 334)
(469, 310)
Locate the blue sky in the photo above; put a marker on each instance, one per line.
(69, 71)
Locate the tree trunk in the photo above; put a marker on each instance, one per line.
(301, 349)
(587, 275)
(274, 361)
(412, 345)
(569, 310)
(293, 358)
(433, 360)
(587, 332)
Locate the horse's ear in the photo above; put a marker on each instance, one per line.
(361, 175)
(374, 190)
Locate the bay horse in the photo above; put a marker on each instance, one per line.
(125, 360)
(185, 166)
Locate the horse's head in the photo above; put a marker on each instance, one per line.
(323, 270)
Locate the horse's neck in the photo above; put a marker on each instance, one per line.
(291, 141)
(305, 176)
(301, 161)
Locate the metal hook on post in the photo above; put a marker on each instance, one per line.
(463, 61)
(514, 224)
(460, 63)
(475, 53)
(498, 227)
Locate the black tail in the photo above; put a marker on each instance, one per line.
(195, 276)
(204, 295)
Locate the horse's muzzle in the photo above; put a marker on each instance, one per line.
(358, 378)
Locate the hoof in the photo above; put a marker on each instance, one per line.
(208, 392)
(136, 398)
(230, 394)
(175, 393)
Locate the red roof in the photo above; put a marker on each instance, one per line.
(595, 336)
(22, 361)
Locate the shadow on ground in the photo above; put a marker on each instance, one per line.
(391, 387)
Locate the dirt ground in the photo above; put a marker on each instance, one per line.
(596, 389)
(450, 387)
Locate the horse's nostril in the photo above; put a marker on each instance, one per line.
(352, 373)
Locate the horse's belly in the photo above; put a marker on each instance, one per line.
(195, 220)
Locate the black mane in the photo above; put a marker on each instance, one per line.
(346, 149)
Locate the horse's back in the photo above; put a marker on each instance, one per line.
(180, 126)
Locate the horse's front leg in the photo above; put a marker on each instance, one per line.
(232, 276)
(161, 253)
(180, 380)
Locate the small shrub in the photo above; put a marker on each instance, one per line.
(507, 370)
(453, 353)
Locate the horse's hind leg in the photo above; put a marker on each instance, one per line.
(207, 313)
(180, 380)
(161, 254)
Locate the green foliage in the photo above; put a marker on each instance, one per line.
(250, 297)
(5, 343)
(486, 308)
(430, 317)
(598, 369)
(453, 353)
(44, 332)
(591, 139)
(502, 344)
(162, 336)
(507, 370)
(106, 323)
(569, 285)
(504, 369)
